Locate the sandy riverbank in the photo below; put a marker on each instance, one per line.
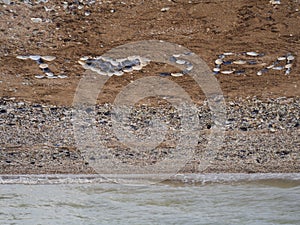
(262, 128)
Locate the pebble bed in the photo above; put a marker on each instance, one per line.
(261, 136)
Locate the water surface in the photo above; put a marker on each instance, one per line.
(90, 200)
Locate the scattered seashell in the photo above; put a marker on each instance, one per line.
(118, 73)
(39, 76)
(43, 66)
(281, 58)
(239, 62)
(227, 71)
(216, 69)
(128, 69)
(81, 63)
(137, 67)
(252, 53)
(228, 53)
(84, 58)
(48, 58)
(190, 67)
(62, 76)
(288, 66)
(52, 77)
(49, 74)
(275, 2)
(288, 71)
(34, 57)
(180, 62)
(165, 9)
(218, 61)
(23, 57)
(36, 20)
(259, 73)
(270, 67)
(110, 74)
(290, 58)
(277, 68)
(176, 74)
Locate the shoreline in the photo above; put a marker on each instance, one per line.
(262, 136)
(274, 179)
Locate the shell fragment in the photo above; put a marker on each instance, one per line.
(34, 57)
(227, 72)
(252, 53)
(48, 58)
(23, 57)
(218, 61)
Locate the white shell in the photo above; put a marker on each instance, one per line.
(127, 70)
(62, 76)
(36, 20)
(180, 62)
(114, 63)
(48, 58)
(34, 57)
(228, 53)
(81, 63)
(144, 61)
(84, 58)
(110, 74)
(118, 73)
(252, 53)
(239, 62)
(189, 68)
(176, 74)
(216, 69)
(218, 61)
(227, 71)
(281, 58)
(100, 72)
(137, 67)
(43, 65)
(39, 76)
(287, 66)
(277, 68)
(52, 77)
(259, 73)
(270, 67)
(23, 57)
(290, 58)
(49, 74)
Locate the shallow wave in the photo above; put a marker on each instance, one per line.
(146, 178)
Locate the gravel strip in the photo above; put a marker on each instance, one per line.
(261, 136)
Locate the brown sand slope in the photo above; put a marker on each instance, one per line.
(207, 28)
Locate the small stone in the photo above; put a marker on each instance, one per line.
(36, 20)
(165, 9)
